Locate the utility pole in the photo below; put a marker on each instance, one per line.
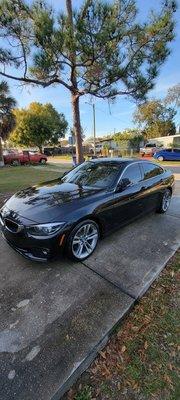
(94, 128)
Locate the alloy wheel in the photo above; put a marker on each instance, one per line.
(85, 241)
(160, 158)
(15, 162)
(166, 200)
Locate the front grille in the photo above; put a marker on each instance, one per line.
(11, 225)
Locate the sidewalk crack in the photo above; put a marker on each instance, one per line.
(111, 281)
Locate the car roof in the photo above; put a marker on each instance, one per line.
(119, 160)
(170, 148)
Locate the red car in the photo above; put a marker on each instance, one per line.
(23, 157)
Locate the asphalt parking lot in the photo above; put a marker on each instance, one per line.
(55, 317)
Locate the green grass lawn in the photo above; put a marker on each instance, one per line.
(15, 178)
(60, 158)
(141, 359)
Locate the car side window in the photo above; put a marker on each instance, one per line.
(132, 174)
(151, 145)
(177, 151)
(169, 150)
(151, 170)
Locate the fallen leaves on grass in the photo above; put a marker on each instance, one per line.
(141, 359)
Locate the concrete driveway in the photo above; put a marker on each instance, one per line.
(54, 318)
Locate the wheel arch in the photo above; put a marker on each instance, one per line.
(94, 218)
(170, 188)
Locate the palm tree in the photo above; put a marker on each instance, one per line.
(7, 119)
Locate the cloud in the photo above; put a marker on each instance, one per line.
(163, 85)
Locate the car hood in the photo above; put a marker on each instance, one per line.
(48, 201)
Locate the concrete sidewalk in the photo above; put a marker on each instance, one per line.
(54, 318)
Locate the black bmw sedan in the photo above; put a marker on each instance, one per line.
(71, 213)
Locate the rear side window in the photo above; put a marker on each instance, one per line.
(133, 174)
(151, 170)
(177, 151)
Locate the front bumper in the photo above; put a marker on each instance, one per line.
(35, 249)
(34, 254)
(38, 250)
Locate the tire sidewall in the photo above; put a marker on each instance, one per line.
(68, 247)
(15, 163)
(160, 209)
(42, 161)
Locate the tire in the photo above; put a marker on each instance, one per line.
(165, 201)
(160, 158)
(79, 247)
(15, 162)
(42, 161)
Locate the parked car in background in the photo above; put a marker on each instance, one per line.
(71, 213)
(35, 157)
(168, 154)
(13, 157)
(149, 149)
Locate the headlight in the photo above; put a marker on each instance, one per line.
(44, 229)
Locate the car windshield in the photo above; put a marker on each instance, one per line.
(94, 174)
(150, 145)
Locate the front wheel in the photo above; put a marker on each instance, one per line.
(42, 161)
(160, 158)
(15, 162)
(165, 201)
(83, 240)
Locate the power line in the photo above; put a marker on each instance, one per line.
(110, 114)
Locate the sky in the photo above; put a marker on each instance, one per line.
(119, 116)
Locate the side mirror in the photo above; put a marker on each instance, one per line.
(122, 184)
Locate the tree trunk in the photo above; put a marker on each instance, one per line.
(74, 93)
(1, 154)
(40, 149)
(77, 127)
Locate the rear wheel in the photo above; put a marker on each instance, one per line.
(165, 201)
(83, 240)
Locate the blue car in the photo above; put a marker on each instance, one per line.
(168, 154)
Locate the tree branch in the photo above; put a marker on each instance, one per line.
(85, 8)
(108, 96)
(37, 81)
